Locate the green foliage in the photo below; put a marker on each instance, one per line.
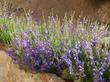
(74, 41)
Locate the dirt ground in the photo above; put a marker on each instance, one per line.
(97, 9)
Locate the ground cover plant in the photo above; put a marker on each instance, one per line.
(75, 49)
(71, 48)
(9, 26)
(9, 22)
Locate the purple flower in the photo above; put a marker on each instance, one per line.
(44, 62)
(106, 59)
(51, 63)
(101, 79)
(91, 57)
(80, 55)
(108, 53)
(95, 80)
(59, 49)
(12, 54)
(87, 47)
(83, 75)
(24, 34)
(36, 62)
(93, 40)
(102, 68)
(100, 73)
(62, 42)
(92, 63)
(24, 43)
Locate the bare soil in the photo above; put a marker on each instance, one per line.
(97, 9)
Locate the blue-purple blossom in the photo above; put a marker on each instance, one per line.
(108, 53)
(62, 42)
(93, 41)
(87, 46)
(46, 50)
(66, 59)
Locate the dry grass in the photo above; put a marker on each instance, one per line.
(9, 8)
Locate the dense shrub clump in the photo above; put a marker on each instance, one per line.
(69, 47)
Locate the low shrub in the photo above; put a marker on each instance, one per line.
(69, 47)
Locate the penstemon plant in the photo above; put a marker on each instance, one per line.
(69, 47)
